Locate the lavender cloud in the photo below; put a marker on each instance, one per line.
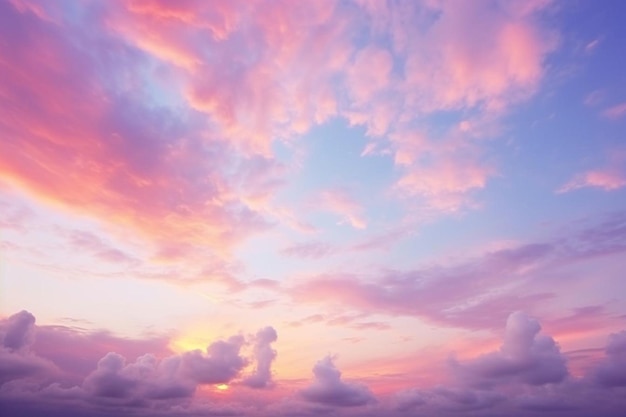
(526, 356)
(472, 293)
(17, 360)
(264, 356)
(18, 332)
(146, 378)
(329, 389)
(612, 371)
(221, 363)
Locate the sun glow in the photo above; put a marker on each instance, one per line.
(186, 344)
(221, 387)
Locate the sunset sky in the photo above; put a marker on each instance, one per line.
(300, 208)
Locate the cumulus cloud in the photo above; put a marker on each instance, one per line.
(526, 356)
(165, 379)
(329, 389)
(17, 334)
(221, 363)
(145, 378)
(612, 371)
(264, 356)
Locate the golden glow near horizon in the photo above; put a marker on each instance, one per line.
(221, 387)
(187, 343)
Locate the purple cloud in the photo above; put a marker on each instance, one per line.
(108, 380)
(221, 363)
(470, 294)
(526, 356)
(612, 371)
(146, 378)
(329, 389)
(17, 361)
(18, 332)
(264, 356)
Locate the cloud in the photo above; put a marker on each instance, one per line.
(616, 112)
(342, 203)
(527, 374)
(445, 180)
(160, 184)
(159, 376)
(221, 363)
(18, 332)
(526, 356)
(162, 107)
(494, 67)
(89, 242)
(443, 399)
(473, 293)
(264, 356)
(329, 389)
(609, 178)
(447, 294)
(57, 343)
(145, 378)
(17, 360)
(612, 371)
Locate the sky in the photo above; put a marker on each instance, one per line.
(299, 208)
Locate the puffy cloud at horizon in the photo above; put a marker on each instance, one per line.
(149, 378)
(480, 384)
(329, 389)
(264, 356)
(428, 195)
(525, 356)
(611, 372)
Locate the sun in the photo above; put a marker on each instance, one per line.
(221, 387)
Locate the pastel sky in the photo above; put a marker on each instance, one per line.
(297, 208)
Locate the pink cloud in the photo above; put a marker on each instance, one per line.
(444, 169)
(283, 90)
(610, 178)
(243, 84)
(616, 112)
(369, 74)
(498, 65)
(63, 154)
(445, 181)
(340, 202)
(472, 293)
